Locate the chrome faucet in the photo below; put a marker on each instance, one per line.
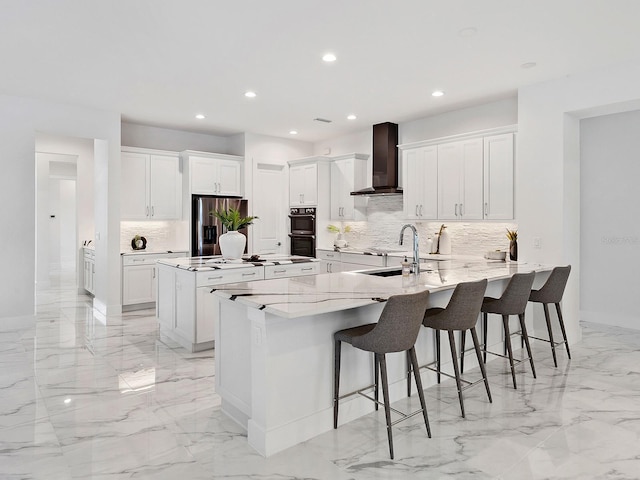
(415, 266)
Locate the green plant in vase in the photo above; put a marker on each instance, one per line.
(232, 242)
(512, 235)
(339, 242)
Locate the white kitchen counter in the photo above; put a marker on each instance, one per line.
(319, 294)
(274, 349)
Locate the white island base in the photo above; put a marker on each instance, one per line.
(274, 363)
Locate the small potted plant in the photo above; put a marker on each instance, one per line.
(512, 235)
(339, 242)
(232, 242)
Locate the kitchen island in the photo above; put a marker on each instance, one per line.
(184, 307)
(274, 358)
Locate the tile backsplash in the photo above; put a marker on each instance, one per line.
(385, 220)
(165, 235)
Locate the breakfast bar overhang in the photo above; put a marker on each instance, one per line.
(274, 354)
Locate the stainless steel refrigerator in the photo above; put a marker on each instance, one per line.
(205, 228)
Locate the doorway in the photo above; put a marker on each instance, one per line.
(269, 205)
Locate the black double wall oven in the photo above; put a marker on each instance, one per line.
(303, 231)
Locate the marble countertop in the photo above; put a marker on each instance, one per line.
(197, 264)
(325, 293)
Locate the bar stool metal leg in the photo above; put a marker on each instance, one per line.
(550, 330)
(381, 360)
(336, 380)
(409, 368)
(476, 345)
(463, 337)
(437, 335)
(416, 374)
(507, 341)
(564, 333)
(525, 337)
(376, 374)
(456, 370)
(484, 335)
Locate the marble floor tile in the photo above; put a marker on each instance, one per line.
(84, 397)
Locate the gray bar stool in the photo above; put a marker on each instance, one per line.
(551, 292)
(512, 302)
(461, 314)
(396, 331)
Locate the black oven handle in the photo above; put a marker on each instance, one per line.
(302, 215)
(297, 235)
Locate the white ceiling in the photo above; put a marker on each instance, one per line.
(159, 62)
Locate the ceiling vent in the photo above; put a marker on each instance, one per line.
(323, 120)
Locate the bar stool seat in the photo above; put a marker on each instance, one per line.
(552, 292)
(396, 331)
(461, 314)
(512, 302)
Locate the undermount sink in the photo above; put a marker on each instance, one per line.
(384, 273)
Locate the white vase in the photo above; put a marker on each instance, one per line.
(232, 245)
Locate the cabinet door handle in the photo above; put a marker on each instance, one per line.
(307, 269)
(330, 255)
(154, 272)
(248, 274)
(486, 209)
(279, 271)
(138, 260)
(215, 278)
(416, 209)
(420, 210)
(147, 210)
(153, 211)
(219, 187)
(461, 210)
(456, 209)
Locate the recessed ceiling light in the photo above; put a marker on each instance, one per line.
(200, 116)
(293, 132)
(437, 93)
(329, 57)
(67, 401)
(250, 94)
(467, 32)
(351, 117)
(528, 65)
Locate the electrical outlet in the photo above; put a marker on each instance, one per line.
(537, 242)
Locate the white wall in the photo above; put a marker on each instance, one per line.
(548, 165)
(144, 136)
(610, 209)
(20, 120)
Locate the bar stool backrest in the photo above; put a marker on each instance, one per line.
(398, 326)
(553, 288)
(515, 297)
(463, 308)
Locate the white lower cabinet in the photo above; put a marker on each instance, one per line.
(333, 262)
(89, 269)
(139, 282)
(329, 261)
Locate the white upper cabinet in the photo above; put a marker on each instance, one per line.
(348, 173)
(214, 174)
(303, 185)
(151, 185)
(420, 183)
(498, 177)
(460, 180)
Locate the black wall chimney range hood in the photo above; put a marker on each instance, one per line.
(385, 162)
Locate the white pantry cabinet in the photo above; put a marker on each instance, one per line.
(498, 177)
(303, 185)
(348, 173)
(151, 185)
(460, 181)
(420, 183)
(213, 173)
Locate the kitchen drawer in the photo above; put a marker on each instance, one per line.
(149, 258)
(293, 270)
(329, 255)
(219, 277)
(361, 259)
